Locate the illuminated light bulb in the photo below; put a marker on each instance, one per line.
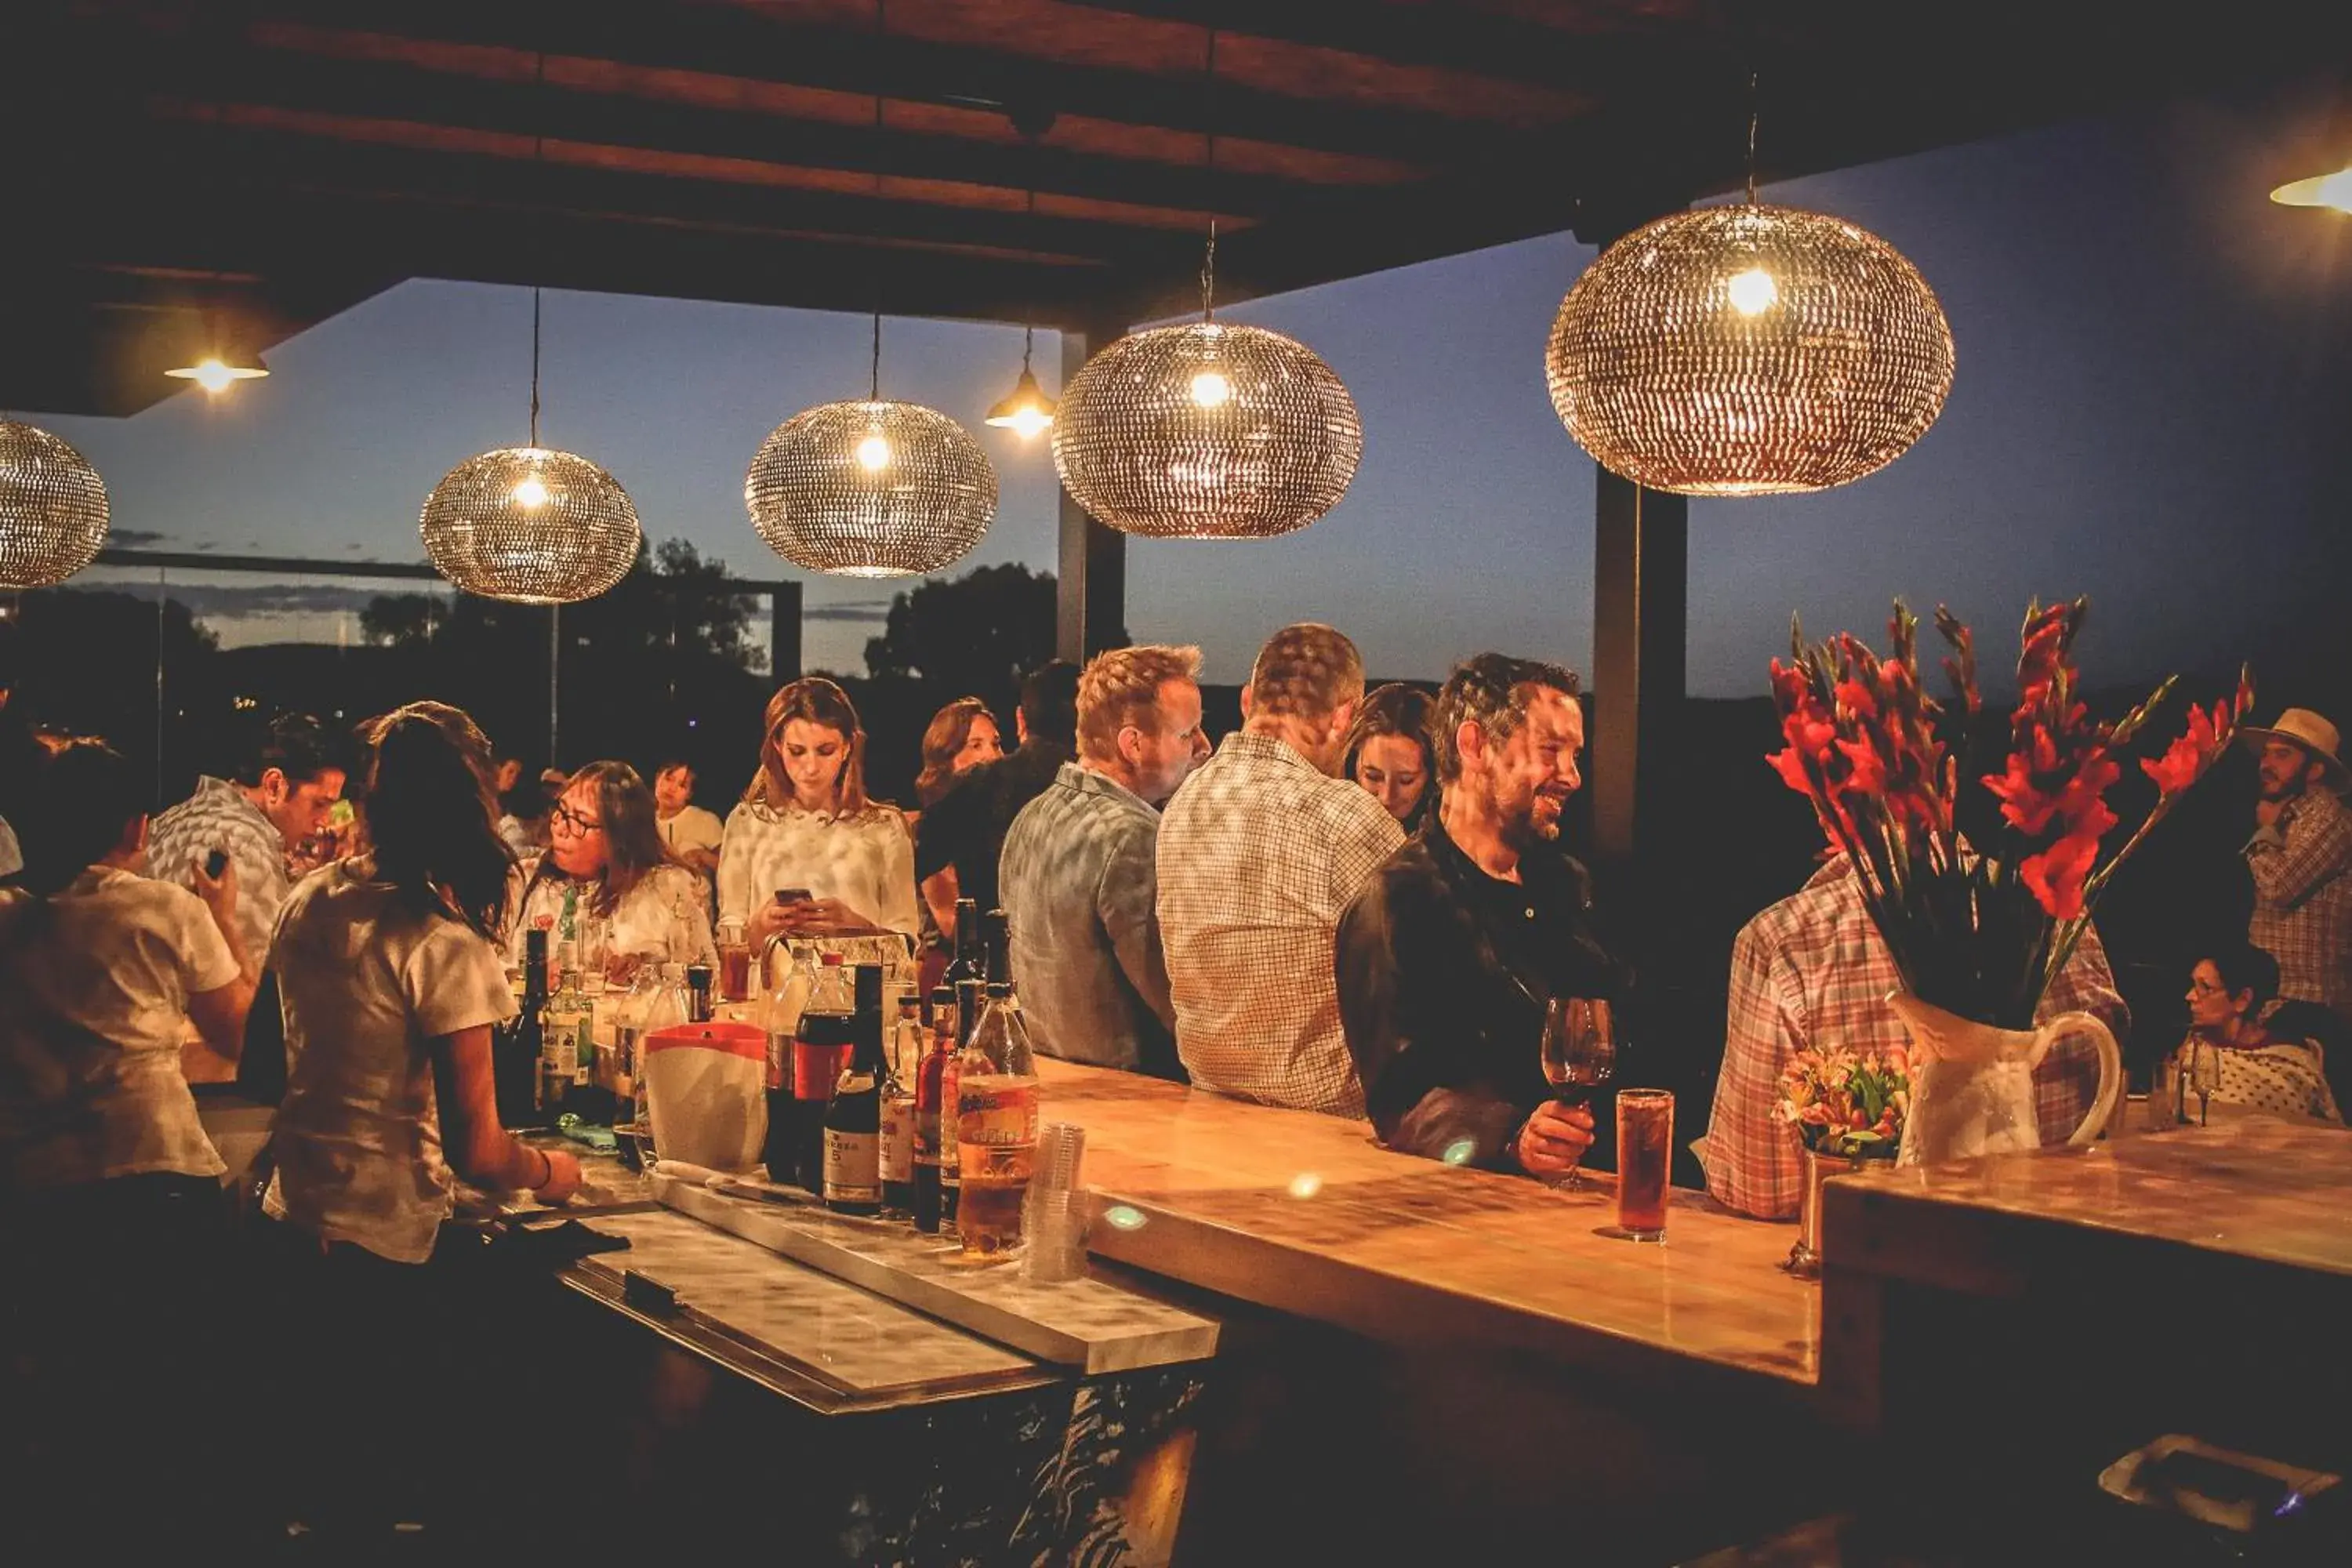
(1212, 390)
(1027, 413)
(873, 453)
(2320, 191)
(1753, 293)
(216, 374)
(1028, 423)
(531, 492)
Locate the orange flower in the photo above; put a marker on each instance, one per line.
(2055, 877)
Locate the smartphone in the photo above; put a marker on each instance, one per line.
(793, 895)
(215, 863)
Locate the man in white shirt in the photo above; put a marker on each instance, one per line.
(1259, 853)
(692, 834)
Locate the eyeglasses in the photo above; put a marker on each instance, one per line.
(573, 820)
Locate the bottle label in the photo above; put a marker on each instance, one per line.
(853, 1168)
(927, 1136)
(997, 1109)
(899, 1139)
(949, 1159)
(780, 1055)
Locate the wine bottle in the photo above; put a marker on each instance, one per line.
(517, 1065)
(970, 960)
(853, 1121)
(996, 938)
(929, 1084)
(899, 1073)
(783, 1026)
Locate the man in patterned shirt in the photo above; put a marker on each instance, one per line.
(1813, 972)
(1259, 853)
(278, 794)
(1077, 877)
(2300, 859)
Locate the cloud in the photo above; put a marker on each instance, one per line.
(229, 602)
(136, 537)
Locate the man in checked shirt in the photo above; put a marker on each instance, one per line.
(2300, 859)
(1259, 852)
(1812, 971)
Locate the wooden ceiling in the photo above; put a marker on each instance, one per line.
(184, 169)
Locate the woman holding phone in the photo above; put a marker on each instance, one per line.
(806, 853)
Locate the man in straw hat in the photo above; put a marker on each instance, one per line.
(2301, 861)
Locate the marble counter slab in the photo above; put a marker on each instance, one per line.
(1088, 1325)
(852, 1341)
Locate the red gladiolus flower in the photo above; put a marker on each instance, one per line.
(1855, 697)
(2055, 877)
(1790, 763)
(2024, 804)
(1869, 776)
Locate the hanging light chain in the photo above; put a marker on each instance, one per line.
(881, 26)
(1208, 171)
(1751, 138)
(538, 159)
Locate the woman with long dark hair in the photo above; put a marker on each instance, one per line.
(605, 859)
(1390, 752)
(961, 737)
(806, 826)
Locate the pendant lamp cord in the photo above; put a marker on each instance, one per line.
(1209, 170)
(1751, 138)
(881, 26)
(538, 158)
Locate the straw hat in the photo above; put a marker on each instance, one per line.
(2315, 734)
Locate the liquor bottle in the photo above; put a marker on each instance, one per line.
(899, 1073)
(560, 1019)
(624, 1013)
(970, 963)
(970, 996)
(819, 1050)
(853, 1121)
(665, 1008)
(783, 1023)
(996, 938)
(930, 1081)
(516, 1073)
(996, 1126)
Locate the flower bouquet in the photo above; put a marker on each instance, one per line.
(1977, 925)
(1847, 1104)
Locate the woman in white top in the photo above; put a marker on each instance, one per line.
(389, 978)
(2245, 1062)
(110, 1203)
(605, 856)
(806, 824)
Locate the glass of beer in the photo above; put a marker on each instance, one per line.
(734, 961)
(1645, 1142)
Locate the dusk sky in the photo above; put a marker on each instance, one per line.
(2151, 405)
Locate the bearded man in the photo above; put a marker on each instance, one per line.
(1447, 958)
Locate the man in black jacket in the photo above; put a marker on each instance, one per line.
(1446, 959)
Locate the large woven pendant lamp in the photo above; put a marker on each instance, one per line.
(53, 513)
(1207, 430)
(871, 488)
(1749, 350)
(528, 524)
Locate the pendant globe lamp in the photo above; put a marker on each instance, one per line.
(528, 524)
(1749, 350)
(871, 488)
(1207, 430)
(53, 510)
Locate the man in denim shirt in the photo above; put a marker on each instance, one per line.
(1077, 878)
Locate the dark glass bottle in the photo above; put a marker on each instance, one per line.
(853, 1121)
(819, 1050)
(997, 939)
(929, 1084)
(899, 1069)
(514, 1058)
(970, 960)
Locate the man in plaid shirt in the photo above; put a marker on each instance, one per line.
(1259, 852)
(1812, 971)
(2300, 859)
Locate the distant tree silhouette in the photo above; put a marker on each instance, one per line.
(983, 631)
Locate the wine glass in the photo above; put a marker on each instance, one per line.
(1580, 1053)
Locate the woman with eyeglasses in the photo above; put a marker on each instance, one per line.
(605, 859)
(805, 830)
(2243, 1058)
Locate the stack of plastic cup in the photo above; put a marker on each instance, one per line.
(1056, 1212)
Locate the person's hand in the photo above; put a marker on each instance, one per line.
(2266, 812)
(219, 895)
(621, 968)
(764, 922)
(1554, 1140)
(822, 917)
(563, 1178)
